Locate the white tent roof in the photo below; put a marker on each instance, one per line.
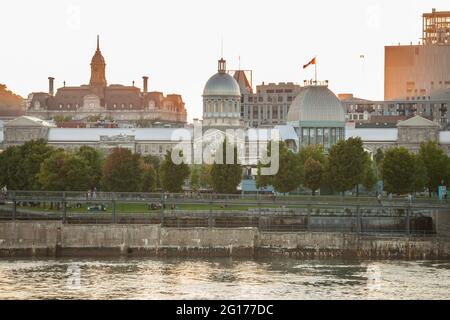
(93, 134)
(373, 134)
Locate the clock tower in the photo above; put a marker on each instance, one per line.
(98, 78)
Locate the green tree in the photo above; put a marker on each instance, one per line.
(194, 179)
(12, 174)
(94, 159)
(397, 171)
(64, 172)
(312, 174)
(121, 171)
(315, 152)
(226, 177)
(172, 175)
(345, 166)
(34, 152)
(420, 174)
(148, 177)
(377, 159)
(264, 180)
(288, 177)
(369, 178)
(205, 176)
(155, 162)
(436, 163)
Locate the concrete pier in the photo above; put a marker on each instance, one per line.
(54, 239)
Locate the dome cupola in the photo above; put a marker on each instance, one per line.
(222, 99)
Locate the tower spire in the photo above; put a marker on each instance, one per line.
(98, 65)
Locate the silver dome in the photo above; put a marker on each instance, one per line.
(221, 84)
(316, 103)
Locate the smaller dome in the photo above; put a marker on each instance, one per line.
(316, 103)
(221, 84)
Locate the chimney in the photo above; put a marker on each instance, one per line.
(50, 85)
(145, 89)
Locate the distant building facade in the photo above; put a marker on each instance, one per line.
(118, 102)
(269, 105)
(389, 112)
(414, 72)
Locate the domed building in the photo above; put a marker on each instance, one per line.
(222, 100)
(317, 116)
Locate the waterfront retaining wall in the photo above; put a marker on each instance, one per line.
(28, 238)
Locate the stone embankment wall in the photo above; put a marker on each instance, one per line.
(28, 238)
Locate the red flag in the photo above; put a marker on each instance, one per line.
(313, 61)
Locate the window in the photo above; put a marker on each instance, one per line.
(305, 136)
(319, 136)
(312, 136)
(280, 98)
(326, 136)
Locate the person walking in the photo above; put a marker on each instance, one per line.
(379, 198)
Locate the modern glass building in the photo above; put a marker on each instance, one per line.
(317, 116)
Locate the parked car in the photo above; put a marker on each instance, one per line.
(97, 207)
(155, 206)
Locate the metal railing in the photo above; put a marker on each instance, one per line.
(362, 215)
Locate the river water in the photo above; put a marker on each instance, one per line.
(222, 278)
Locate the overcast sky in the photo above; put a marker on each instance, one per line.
(177, 42)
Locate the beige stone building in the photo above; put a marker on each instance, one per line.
(122, 103)
(414, 72)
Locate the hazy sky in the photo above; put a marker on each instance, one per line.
(177, 42)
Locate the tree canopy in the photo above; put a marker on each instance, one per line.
(172, 175)
(436, 163)
(64, 172)
(312, 174)
(397, 170)
(346, 164)
(226, 177)
(122, 171)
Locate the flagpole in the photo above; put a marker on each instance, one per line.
(315, 69)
